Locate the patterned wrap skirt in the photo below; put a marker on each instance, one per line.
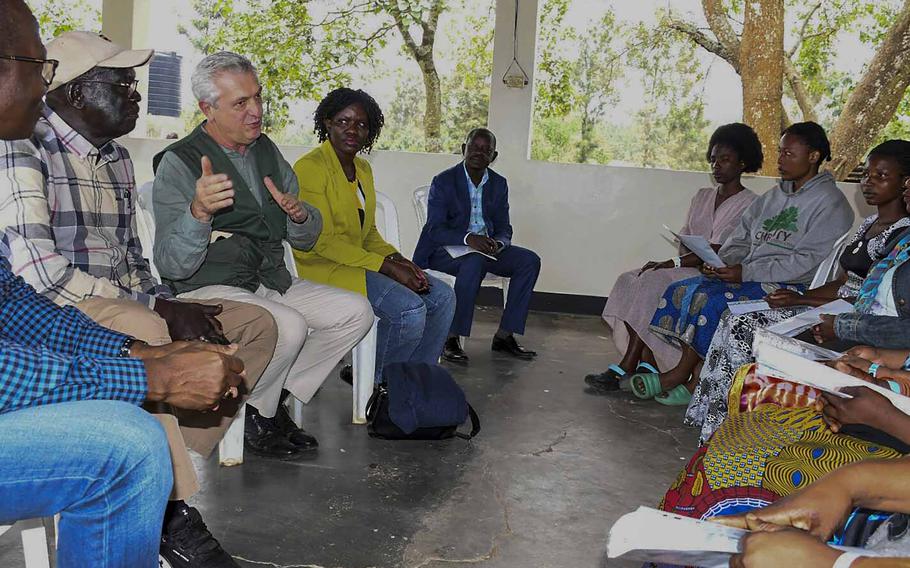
(772, 443)
(690, 310)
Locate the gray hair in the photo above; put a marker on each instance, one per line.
(203, 79)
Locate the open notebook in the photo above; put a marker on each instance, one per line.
(649, 535)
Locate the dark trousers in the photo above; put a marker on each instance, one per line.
(520, 265)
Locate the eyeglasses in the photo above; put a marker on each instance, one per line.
(130, 87)
(48, 66)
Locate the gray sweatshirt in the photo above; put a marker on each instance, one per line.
(784, 235)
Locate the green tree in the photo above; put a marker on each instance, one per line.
(317, 59)
(670, 125)
(575, 80)
(856, 110)
(58, 16)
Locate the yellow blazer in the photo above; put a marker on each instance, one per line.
(345, 250)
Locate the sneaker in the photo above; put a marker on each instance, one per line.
(187, 543)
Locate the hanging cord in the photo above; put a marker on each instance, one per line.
(523, 79)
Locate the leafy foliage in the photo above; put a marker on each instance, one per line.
(316, 61)
(58, 16)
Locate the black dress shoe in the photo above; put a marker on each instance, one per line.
(263, 437)
(453, 352)
(510, 346)
(347, 374)
(294, 433)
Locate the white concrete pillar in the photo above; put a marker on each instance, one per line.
(511, 108)
(125, 22)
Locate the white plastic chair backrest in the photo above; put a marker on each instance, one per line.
(827, 270)
(145, 225)
(289, 259)
(387, 220)
(421, 194)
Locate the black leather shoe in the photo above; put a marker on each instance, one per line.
(294, 433)
(261, 436)
(510, 346)
(453, 352)
(347, 374)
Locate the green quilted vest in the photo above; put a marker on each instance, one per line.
(253, 254)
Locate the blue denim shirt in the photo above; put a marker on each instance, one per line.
(884, 332)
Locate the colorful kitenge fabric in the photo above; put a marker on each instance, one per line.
(772, 443)
(757, 457)
(690, 310)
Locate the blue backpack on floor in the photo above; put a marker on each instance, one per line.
(418, 401)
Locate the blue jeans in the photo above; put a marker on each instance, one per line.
(103, 465)
(412, 327)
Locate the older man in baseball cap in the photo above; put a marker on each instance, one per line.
(67, 208)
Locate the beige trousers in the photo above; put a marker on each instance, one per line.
(317, 325)
(252, 328)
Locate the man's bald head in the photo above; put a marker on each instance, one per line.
(21, 83)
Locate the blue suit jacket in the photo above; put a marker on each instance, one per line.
(449, 212)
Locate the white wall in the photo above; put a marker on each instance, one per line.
(588, 223)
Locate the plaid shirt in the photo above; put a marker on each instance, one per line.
(68, 212)
(50, 354)
(477, 225)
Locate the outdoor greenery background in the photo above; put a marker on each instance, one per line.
(430, 63)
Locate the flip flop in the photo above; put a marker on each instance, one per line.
(677, 396)
(646, 385)
(644, 367)
(625, 384)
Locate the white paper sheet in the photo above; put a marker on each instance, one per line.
(457, 251)
(801, 322)
(650, 535)
(774, 354)
(747, 306)
(700, 247)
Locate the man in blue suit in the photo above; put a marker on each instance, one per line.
(468, 205)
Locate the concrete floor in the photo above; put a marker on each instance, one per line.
(539, 487)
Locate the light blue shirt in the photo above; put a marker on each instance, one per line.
(477, 225)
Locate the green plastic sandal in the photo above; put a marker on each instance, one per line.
(646, 385)
(677, 396)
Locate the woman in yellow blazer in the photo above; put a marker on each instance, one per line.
(414, 309)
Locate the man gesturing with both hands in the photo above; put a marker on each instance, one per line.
(225, 199)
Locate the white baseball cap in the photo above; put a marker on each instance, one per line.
(79, 52)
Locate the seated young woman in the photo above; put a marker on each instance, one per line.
(734, 149)
(824, 511)
(886, 171)
(779, 243)
(778, 442)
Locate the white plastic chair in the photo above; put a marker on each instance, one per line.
(230, 448)
(36, 546)
(829, 267)
(363, 362)
(421, 194)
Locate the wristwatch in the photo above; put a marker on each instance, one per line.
(127, 345)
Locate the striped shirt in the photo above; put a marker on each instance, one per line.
(50, 354)
(68, 214)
